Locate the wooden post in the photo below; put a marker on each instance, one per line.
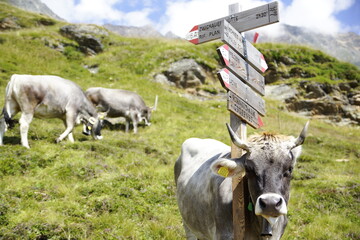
(239, 186)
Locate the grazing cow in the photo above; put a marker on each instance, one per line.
(121, 103)
(47, 97)
(203, 176)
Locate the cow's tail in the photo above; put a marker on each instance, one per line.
(8, 92)
(9, 122)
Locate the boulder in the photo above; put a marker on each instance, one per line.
(88, 36)
(9, 23)
(185, 73)
(314, 90)
(280, 92)
(321, 106)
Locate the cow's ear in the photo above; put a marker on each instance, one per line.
(296, 152)
(228, 167)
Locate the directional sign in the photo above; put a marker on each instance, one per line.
(242, 69)
(244, 110)
(234, 84)
(243, 47)
(242, 21)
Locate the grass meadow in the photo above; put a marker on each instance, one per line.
(122, 187)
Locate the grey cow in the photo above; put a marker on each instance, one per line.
(204, 172)
(121, 103)
(43, 96)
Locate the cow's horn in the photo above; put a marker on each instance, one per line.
(155, 104)
(237, 141)
(92, 120)
(300, 140)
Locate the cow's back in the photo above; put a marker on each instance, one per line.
(116, 102)
(204, 198)
(48, 94)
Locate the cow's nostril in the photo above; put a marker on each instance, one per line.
(279, 203)
(262, 203)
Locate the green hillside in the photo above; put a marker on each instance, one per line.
(122, 187)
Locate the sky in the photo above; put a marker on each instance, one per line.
(179, 16)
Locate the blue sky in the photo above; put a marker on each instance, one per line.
(179, 16)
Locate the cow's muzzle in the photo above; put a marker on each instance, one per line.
(270, 206)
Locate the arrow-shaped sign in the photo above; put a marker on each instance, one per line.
(243, 47)
(242, 69)
(234, 84)
(244, 110)
(242, 21)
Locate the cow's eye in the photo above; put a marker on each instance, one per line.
(288, 172)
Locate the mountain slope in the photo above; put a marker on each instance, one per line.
(35, 6)
(343, 46)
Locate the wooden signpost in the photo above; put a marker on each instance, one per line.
(244, 82)
(242, 21)
(242, 69)
(230, 82)
(243, 47)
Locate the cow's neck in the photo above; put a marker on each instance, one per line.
(256, 227)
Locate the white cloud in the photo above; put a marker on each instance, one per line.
(317, 15)
(181, 15)
(99, 12)
(138, 18)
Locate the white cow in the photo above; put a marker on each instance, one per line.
(121, 103)
(203, 176)
(47, 97)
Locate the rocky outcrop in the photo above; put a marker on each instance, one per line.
(337, 102)
(186, 73)
(9, 23)
(88, 36)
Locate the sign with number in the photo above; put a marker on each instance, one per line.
(243, 110)
(242, 69)
(243, 47)
(242, 21)
(234, 84)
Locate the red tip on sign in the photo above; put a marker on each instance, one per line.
(193, 35)
(256, 37)
(263, 63)
(260, 122)
(224, 50)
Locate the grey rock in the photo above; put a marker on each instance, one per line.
(314, 90)
(280, 92)
(186, 73)
(162, 79)
(88, 37)
(9, 23)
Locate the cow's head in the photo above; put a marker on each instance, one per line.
(145, 114)
(268, 165)
(92, 126)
